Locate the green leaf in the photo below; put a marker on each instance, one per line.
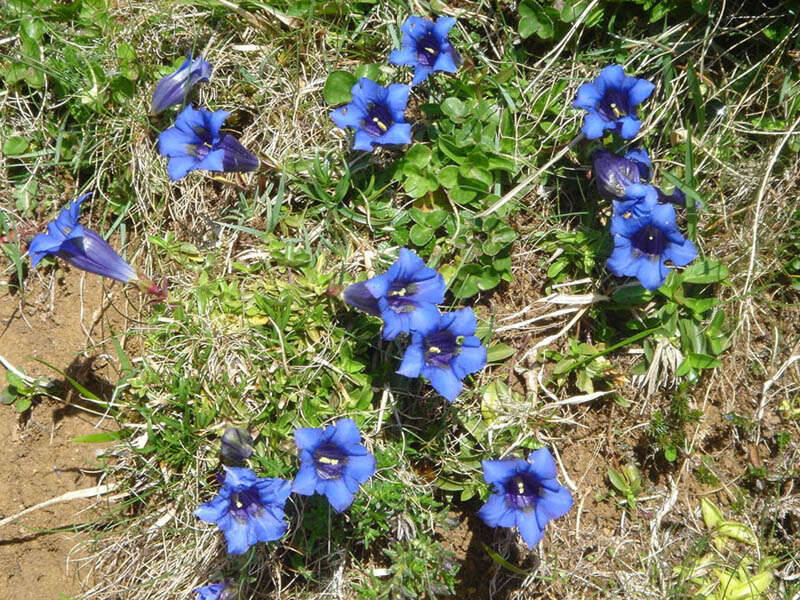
(448, 177)
(454, 108)
(98, 438)
(420, 235)
(503, 562)
(337, 87)
(418, 155)
(23, 403)
(670, 453)
(499, 352)
(15, 145)
(632, 295)
(617, 480)
(704, 270)
(711, 514)
(8, 395)
(703, 361)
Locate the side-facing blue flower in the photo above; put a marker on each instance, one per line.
(527, 494)
(248, 509)
(79, 246)
(611, 101)
(638, 200)
(333, 462)
(174, 88)
(616, 174)
(215, 591)
(196, 142)
(377, 114)
(643, 244)
(426, 48)
(405, 296)
(445, 353)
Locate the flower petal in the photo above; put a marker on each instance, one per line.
(587, 97)
(681, 254)
(399, 133)
(345, 433)
(640, 91)
(469, 360)
(308, 438)
(214, 510)
(406, 55)
(364, 141)
(498, 471)
(496, 512)
(593, 126)
(541, 464)
(174, 142)
(651, 273)
(412, 362)
(463, 323)
(179, 166)
(306, 480)
(348, 116)
(628, 127)
(444, 381)
(397, 100)
(552, 505)
(360, 468)
(529, 528)
(338, 495)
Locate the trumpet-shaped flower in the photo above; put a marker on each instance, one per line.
(376, 113)
(215, 591)
(611, 101)
(175, 87)
(248, 509)
(617, 174)
(643, 244)
(527, 494)
(405, 296)
(79, 246)
(426, 48)
(333, 462)
(196, 142)
(445, 352)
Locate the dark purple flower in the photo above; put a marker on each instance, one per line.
(611, 101)
(405, 296)
(248, 509)
(215, 591)
(333, 462)
(527, 494)
(617, 174)
(196, 142)
(79, 246)
(174, 88)
(643, 244)
(426, 48)
(377, 114)
(445, 352)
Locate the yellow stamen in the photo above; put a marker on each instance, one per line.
(378, 122)
(325, 460)
(431, 50)
(434, 350)
(617, 112)
(521, 487)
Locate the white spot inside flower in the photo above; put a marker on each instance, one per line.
(344, 111)
(379, 123)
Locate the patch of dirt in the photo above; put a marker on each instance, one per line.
(66, 325)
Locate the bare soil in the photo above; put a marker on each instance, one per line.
(65, 326)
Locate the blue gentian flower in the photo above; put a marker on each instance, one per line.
(527, 494)
(638, 200)
(615, 174)
(174, 88)
(426, 48)
(248, 509)
(445, 353)
(643, 244)
(376, 113)
(196, 142)
(79, 246)
(611, 101)
(215, 591)
(333, 462)
(405, 296)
